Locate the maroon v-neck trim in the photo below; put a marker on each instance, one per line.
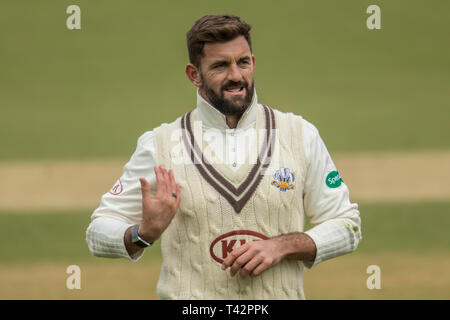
(235, 196)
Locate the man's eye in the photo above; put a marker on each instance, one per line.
(217, 66)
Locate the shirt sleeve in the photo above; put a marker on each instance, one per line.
(121, 207)
(336, 221)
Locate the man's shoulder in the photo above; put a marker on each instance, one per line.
(148, 137)
(167, 125)
(146, 140)
(306, 125)
(283, 114)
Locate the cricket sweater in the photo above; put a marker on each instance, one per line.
(256, 181)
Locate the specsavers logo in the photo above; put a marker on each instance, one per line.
(333, 179)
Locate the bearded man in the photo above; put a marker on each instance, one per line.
(228, 186)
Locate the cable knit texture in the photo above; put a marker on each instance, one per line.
(189, 270)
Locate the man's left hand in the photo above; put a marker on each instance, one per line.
(254, 257)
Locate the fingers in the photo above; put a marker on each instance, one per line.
(172, 184)
(178, 190)
(146, 192)
(166, 179)
(166, 187)
(162, 182)
(251, 258)
(175, 189)
(263, 265)
(160, 188)
(250, 266)
(145, 188)
(233, 256)
(241, 262)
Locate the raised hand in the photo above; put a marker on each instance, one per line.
(158, 211)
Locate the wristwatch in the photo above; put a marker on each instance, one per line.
(137, 240)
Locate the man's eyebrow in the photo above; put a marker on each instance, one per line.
(226, 62)
(246, 58)
(219, 63)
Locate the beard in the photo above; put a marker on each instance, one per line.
(234, 105)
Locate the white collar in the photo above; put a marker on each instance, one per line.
(213, 118)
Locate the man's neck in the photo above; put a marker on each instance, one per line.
(233, 120)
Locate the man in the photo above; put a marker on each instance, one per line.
(242, 177)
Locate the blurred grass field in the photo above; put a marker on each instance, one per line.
(90, 93)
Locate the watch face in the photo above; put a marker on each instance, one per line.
(140, 244)
(137, 240)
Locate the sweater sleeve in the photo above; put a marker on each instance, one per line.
(121, 207)
(336, 221)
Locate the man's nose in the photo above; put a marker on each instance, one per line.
(234, 73)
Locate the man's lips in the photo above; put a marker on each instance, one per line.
(237, 90)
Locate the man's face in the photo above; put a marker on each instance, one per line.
(226, 72)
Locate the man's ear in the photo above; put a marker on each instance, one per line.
(193, 74)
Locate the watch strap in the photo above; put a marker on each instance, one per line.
(137, 240)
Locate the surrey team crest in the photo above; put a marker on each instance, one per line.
(284, 179)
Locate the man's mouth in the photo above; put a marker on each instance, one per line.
(235, 90)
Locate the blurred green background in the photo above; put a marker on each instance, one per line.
(90, 93)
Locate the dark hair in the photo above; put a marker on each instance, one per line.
(214, 28)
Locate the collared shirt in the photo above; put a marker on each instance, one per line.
(336, 221)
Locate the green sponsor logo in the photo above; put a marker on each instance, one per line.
(333, 179)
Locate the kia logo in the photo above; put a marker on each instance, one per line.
(224, 244)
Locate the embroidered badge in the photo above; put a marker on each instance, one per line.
(117, 188)
(284, 179)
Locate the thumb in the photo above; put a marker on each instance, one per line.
(145, 188)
